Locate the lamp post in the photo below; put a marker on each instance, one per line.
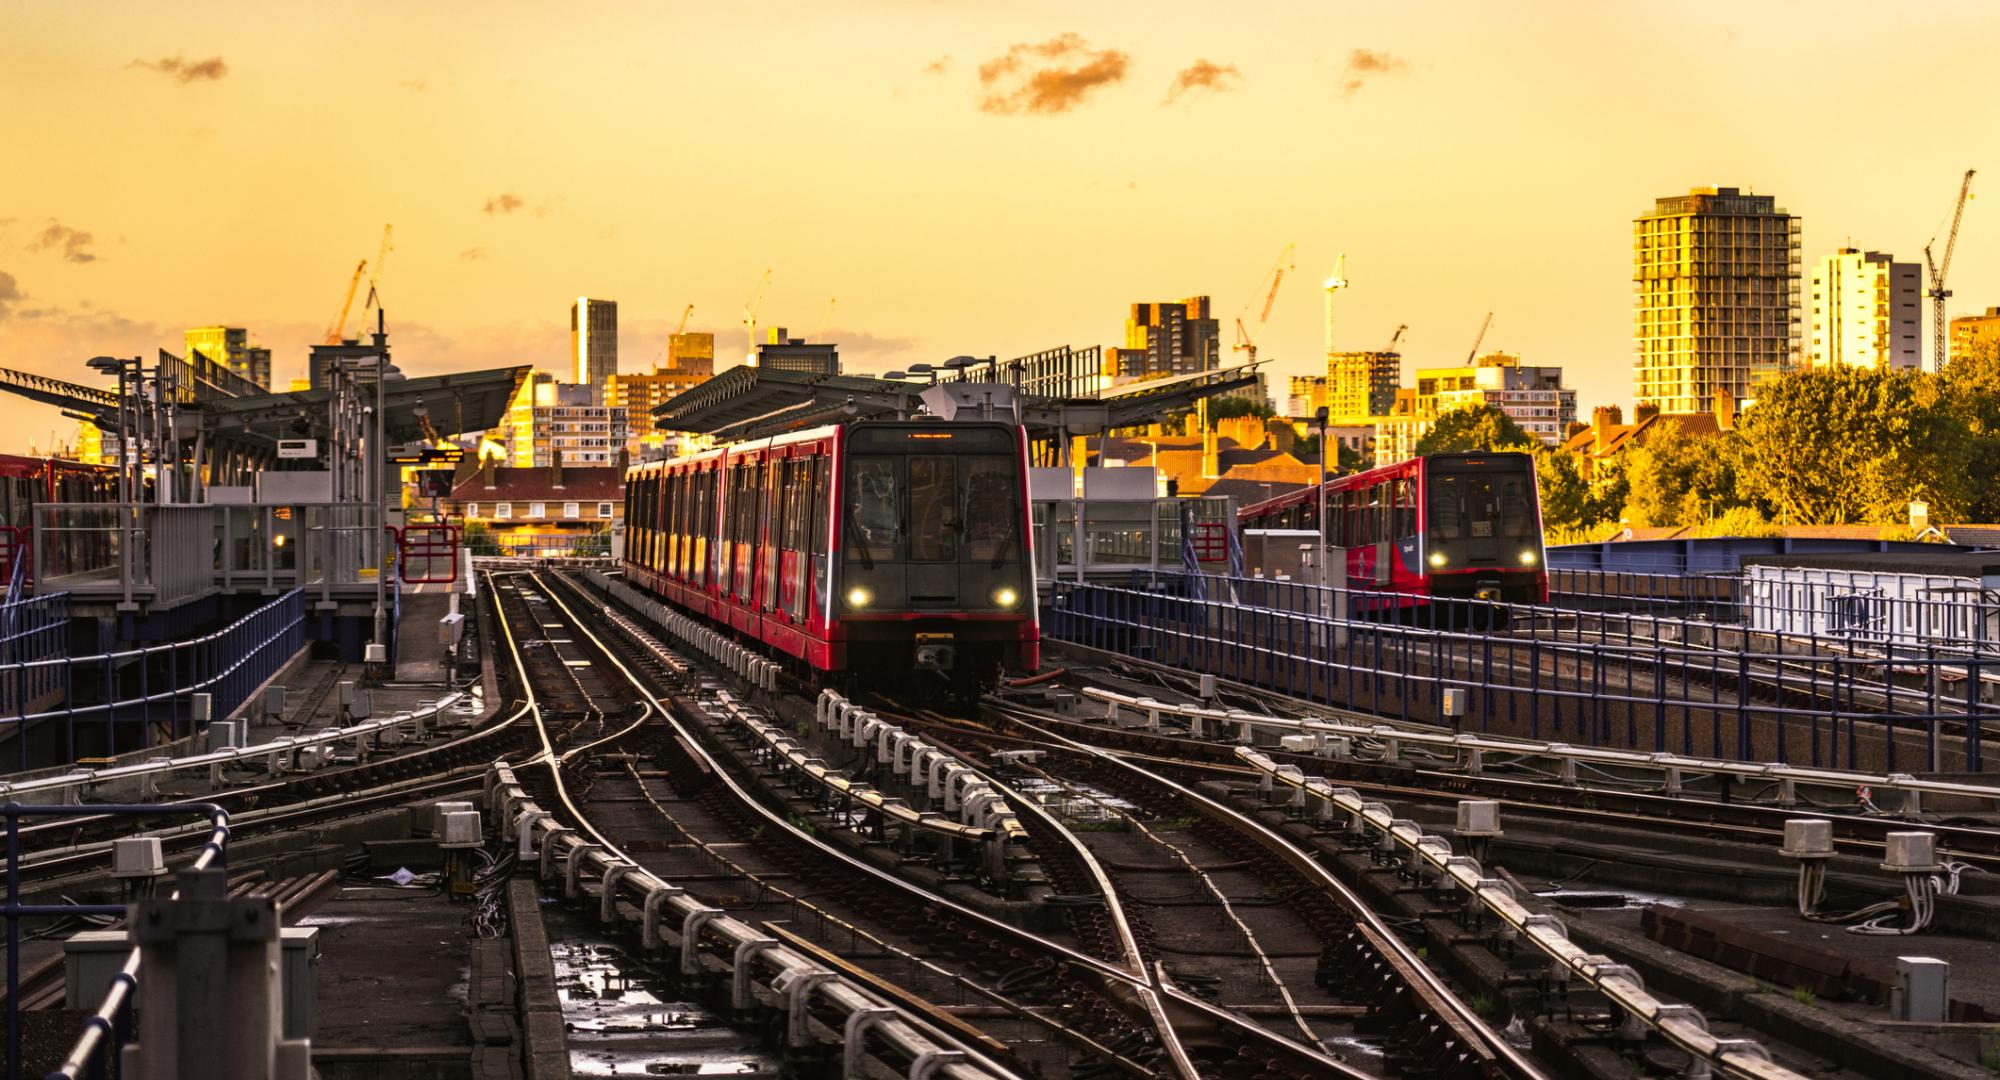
(127, 462)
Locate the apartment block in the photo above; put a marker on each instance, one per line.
(1865, 312)
(1715, 277)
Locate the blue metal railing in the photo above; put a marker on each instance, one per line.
(32, 628)
(107, 1026)
(1547, 677)
(153, 683)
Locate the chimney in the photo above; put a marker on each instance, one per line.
(1645, 411)
(1602, 419)
(624, 462)
(1211, 464)
(555, 468)
(486, 472)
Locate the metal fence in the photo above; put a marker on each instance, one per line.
(1542, 676)
(595, 545)
(149, 688)
(32, 628)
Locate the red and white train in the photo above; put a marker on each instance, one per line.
(1443, 527)
(862, 551)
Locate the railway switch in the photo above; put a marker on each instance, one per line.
(459, 835)
(1911, 853)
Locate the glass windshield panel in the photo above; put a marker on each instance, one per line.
(992, 512)
(874, 509)
(934, 521)
(1480, 506)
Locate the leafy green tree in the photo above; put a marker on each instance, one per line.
(1682, 479)
(1739, 521)
(1848, 445)
(1475, 427)
(1971, 382)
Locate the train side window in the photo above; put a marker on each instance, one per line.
(745, 529)
(817, 508)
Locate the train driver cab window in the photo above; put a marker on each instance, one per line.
(874, 510)
(992, 514)
(934, 521)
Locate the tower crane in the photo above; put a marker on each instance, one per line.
(375, 276)
(750, 315)
(685, 316)
(1476, 340)
(1398, 336)
(1938, 293)
(820, 334)
(1245, 342)
(339, 326)
(1333, 285)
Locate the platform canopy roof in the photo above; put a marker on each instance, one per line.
(747, 402)
(452, 404)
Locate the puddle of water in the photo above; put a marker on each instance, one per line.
(1609, 898)
(1350, 1047)
(623, 1021)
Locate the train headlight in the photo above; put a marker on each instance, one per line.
(860, 596)
(1437, 559)
(1006, 596)
(1528, 557)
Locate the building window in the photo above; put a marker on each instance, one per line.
(471, 510)
(571, 510)
(503, 511)
(538, 510)
(604, 509)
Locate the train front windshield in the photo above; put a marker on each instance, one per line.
(1481, 511)
(933, 518)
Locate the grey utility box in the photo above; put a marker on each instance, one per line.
(1922, 991)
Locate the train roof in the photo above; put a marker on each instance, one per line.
(1368, 476)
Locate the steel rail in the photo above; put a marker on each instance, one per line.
(1295, 1055)
(1472, 1028)
(620, 872)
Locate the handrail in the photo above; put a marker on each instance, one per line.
(1681, 1025)
(102, 1023)
(273, 750)
(1483, 744)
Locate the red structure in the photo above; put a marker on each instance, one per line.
(1464, 526)
(865, 548)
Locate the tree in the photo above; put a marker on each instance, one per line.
(1738, 521)
(1971, 382)
(1475, 427)
(1681, 479)
(1847, 445)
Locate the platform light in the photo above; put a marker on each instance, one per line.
(1528, 557)
(1006, 596)
(1437, 559)
(860, 596)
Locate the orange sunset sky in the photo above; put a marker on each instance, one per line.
(964, 178)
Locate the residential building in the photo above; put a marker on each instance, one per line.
(1864, 312)
(1533, 397)
(230, 347)
(1607, 435)
(780, 352)
(1306, 395)
(1974, 335)
(546, 418)
(691, 354)
(1715, 278)
(593, 344)
(1400, 428)
(1361, 384)
(1178, 338)
(546, 511)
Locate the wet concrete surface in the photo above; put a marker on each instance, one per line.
(392, 969)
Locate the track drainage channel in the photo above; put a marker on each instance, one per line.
(623, 1019)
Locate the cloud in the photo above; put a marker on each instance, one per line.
(185, 71)
(1204, 75)
(10, 293)
(1053, 76)
(505, 203)
(938, 66)
(73, 242)
(472, 254)
(1366, 64)
(415, 85)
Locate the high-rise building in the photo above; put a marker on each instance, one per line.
(1179, 338)
(780, 352)
(1531, 396)
(1973, 335)
(545, 416)
(1307, 393)
(1865, 312)
(692, 354)
(593, 344)
(1361, 384)
(230, 346)
(1715, 278)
